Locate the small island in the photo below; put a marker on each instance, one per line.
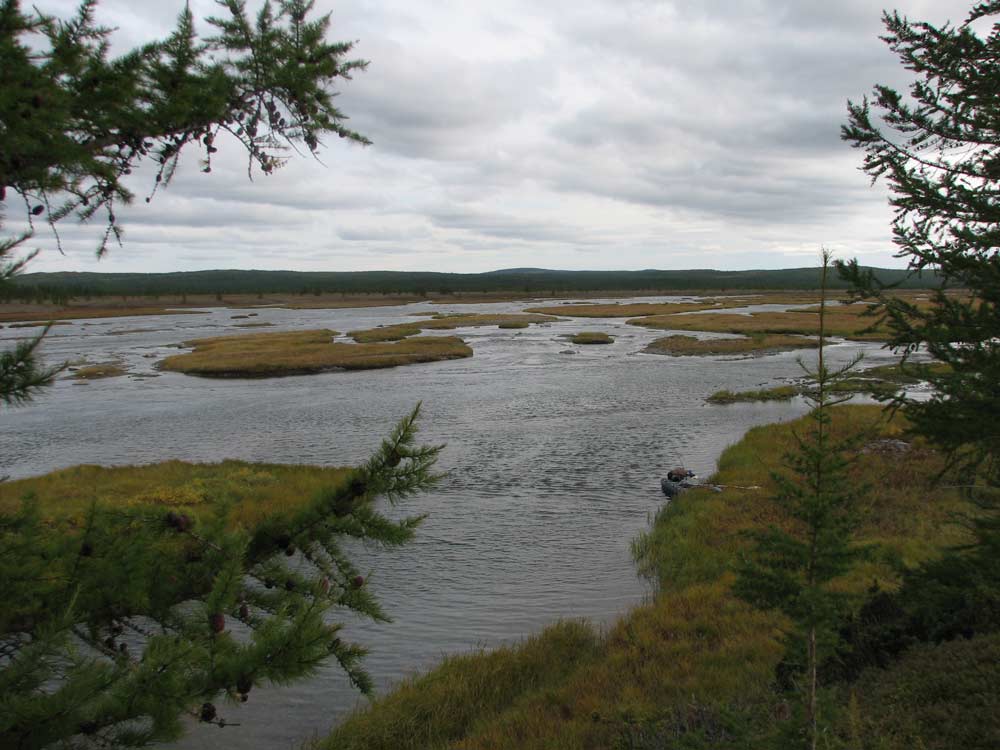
(447, 322)
(100, 370)
(680, 346)
(592, 337)
(260, 355)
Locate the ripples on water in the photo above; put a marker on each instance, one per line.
(554, 463)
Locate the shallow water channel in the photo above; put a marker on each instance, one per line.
(555, 452)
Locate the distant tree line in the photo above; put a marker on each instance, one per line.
(63, 287)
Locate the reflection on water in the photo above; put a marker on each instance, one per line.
(553, 458)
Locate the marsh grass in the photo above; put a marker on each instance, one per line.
(757, 344)
(41, 317)
(693, 661)
(101, 370)
(302, 352)
(591, 337)
(257, 491)
(439, 322)
(846, 324)
(40, 323)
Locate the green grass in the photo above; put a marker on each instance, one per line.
(443, 706)
(780, 393)
(757, 344)
(302, 352)
(258, 490)
(591, 337)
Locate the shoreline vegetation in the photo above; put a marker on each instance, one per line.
(696, 662)
(258, 355)
(66, 496)
(879, 382)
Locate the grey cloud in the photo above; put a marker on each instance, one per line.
(581, 133)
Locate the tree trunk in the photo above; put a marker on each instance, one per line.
(811, 717)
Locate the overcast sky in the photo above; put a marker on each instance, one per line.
(570, 134)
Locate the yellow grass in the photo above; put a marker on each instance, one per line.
(301, 352)
(39, 324)
(591, 337)
(257, 490)
(42, 315)
(445, 322)
(623, 310)
(849, 324)
(102, 370)
(759, 344)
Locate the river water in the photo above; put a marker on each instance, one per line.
(554, 456)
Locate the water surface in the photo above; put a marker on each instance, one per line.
(554, 456)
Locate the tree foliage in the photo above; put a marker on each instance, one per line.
(117, 625)
(75, 121)
(938, 150)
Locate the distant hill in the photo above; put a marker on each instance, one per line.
(528, 280)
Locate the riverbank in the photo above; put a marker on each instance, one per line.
(696, 664)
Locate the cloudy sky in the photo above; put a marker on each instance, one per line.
(571, 134)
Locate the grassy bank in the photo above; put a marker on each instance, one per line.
(695, 665)
(758, 344)
(303, 352)
(261, 489)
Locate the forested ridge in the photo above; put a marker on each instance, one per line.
(71, 284)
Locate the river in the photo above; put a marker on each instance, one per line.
(554, 456)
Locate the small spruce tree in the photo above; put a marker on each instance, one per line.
(791, 567)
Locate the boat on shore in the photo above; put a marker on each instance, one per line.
(676, 481)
